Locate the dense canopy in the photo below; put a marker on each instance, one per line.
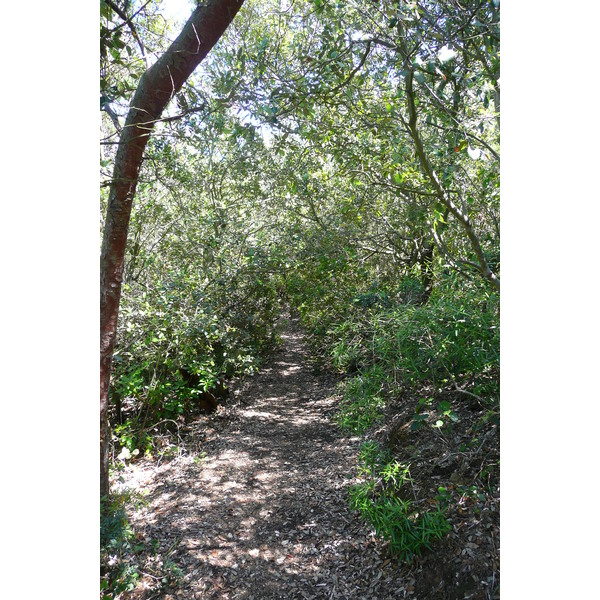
(338, 160)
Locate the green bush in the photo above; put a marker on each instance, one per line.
(362, 401)
(182, 339)
(117, 544)
(453, 337)
(404, 526)
(388, 339)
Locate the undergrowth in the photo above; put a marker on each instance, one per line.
(119, 571)
(381, 498)
(388, 339)
(124, 557)
(179, 341)
(362, 401)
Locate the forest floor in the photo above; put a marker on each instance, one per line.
(253, 504)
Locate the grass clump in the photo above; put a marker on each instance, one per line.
(381, 500)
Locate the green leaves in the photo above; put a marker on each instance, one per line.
(406, 528)
(363, 401)
(302, 182)
(105, 10)
(262, 46)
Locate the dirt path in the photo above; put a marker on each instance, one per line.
(265, 513)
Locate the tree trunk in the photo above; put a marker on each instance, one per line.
(426, 264)
(157, 86)
(443, 196)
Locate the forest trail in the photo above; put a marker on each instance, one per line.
(265, 513)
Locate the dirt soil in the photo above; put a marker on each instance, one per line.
(254, 505)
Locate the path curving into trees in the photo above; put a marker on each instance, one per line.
(265, 513)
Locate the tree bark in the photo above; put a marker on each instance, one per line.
(157, 86)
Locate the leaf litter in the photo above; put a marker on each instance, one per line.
(254, 505)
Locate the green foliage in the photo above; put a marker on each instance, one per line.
(305, 185)
(201, 293)
(122, 556)
(117, 544)
(443, 416)
(380, 498)
(362, 402)
(452, 336)
(132, 437)
(451, 339)
(181, 340)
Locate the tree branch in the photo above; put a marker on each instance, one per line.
(127, 20)
(443, 196)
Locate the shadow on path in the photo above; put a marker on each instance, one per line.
(265, 513)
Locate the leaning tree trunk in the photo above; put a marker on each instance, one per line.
(155, 89)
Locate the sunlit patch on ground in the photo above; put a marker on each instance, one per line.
(263, 512)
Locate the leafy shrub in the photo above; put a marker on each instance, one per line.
(406, 528)
(453, 337)
(363, 400)
(117, 543)
(132, 437)
(181, 340)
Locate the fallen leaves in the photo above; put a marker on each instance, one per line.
(265, 514)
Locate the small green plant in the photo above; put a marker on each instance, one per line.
(132, 437)
(444, 496)
(200, 459)
(471, 492)
(117, 543)
(359, 415)
(398, 520)
(444, 415)
(172, 573)
(420, 417)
